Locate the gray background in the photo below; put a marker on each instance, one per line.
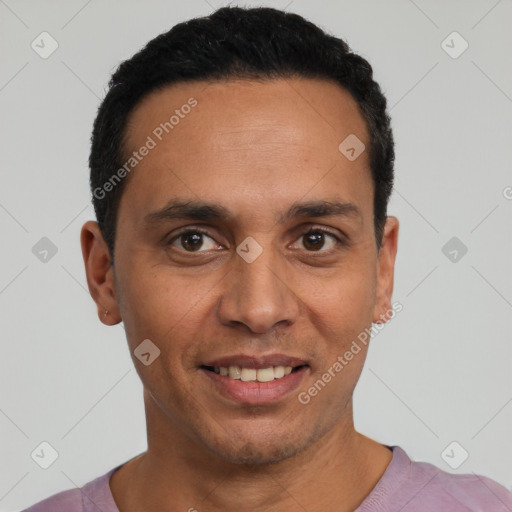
(438, 372)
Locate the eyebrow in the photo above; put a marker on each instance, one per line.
(198, 210)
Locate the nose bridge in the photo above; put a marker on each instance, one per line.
(257, 293)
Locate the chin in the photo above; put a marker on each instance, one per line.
(255, 447)
(257, 453)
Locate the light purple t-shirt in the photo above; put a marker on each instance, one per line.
(405, 486)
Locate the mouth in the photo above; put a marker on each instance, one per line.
(248, 374)
(250, 380)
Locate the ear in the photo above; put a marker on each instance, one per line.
(100, 273)
(386, 270)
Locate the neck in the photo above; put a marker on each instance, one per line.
(177, 473)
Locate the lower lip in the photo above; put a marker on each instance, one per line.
(256, 392)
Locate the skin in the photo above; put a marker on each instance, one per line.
(256, 148)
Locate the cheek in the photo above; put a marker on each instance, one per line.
(166, 310)
(341, 311)
(160, 305)
(342, 304)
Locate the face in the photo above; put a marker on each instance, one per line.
(245, 231)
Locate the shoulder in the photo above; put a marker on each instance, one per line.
(65, 501)
(92, 496)
(427, 487)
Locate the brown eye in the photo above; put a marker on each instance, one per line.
(193, 241)
(314, 241)
(317, 239)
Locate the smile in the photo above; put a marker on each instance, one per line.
(251, 386)
(252, 374)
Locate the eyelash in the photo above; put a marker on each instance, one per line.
(339, 241)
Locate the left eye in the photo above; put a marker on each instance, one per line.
(315, 239)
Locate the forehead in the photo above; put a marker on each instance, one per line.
(270, 105)
(271, 140)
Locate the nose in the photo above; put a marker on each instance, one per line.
(258, 294)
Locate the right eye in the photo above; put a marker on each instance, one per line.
(192, 240)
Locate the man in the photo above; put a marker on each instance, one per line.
(241, 167)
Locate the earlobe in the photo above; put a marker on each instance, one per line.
(106, 317)
(385, 269)
(100, 273)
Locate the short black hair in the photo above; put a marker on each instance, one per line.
(235, 43)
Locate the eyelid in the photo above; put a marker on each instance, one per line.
(319, 227)
(340, 237)
(185, 230)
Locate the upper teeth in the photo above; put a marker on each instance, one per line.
(251, 374)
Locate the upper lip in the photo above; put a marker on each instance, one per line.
(257, 361)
